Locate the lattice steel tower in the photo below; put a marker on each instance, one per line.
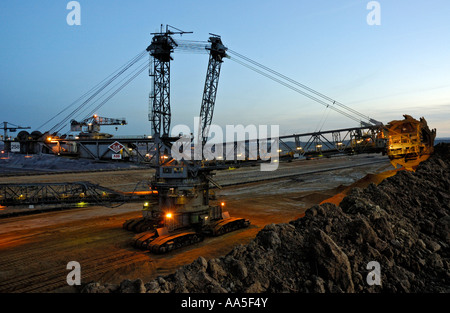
(160, 51)
(216, 55)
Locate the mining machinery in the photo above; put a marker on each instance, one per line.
(182, 214)
(406, 142)
(92, 125)
(409, 141)
(13, 128)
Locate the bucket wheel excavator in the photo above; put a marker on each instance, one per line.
(181, 214)
(409, 141)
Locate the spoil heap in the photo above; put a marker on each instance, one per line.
(403, 224)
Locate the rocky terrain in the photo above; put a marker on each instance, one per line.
(403, 224)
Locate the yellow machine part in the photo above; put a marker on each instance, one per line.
(410, 142)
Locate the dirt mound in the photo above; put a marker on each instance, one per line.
(361, 183)
(402, 223)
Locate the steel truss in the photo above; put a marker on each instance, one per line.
(59, 193)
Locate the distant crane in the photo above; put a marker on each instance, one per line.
(93, 125)
(12, 129)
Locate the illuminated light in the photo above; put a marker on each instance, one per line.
(222, 204)
(95, 115)
(339, 143)
(146, 204)
(318, 146)
(279, 150)
(299, 148)
(49, 138)
(169, 215)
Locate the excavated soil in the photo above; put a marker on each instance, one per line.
(402, 223)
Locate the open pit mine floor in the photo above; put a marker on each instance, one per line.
(35, 249)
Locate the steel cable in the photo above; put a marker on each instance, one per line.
(332, 101)
(98, 90)
(295, 89)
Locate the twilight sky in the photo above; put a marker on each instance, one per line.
(384, 71)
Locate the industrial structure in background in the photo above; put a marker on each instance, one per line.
(78, 194)
(370, 136)
(177, 210)
(11, 145)
(13, 128)
(89, 128)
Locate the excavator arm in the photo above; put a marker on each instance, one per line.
(216, 55)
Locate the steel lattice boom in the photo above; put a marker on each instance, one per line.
(160, 50)
(217, 53)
